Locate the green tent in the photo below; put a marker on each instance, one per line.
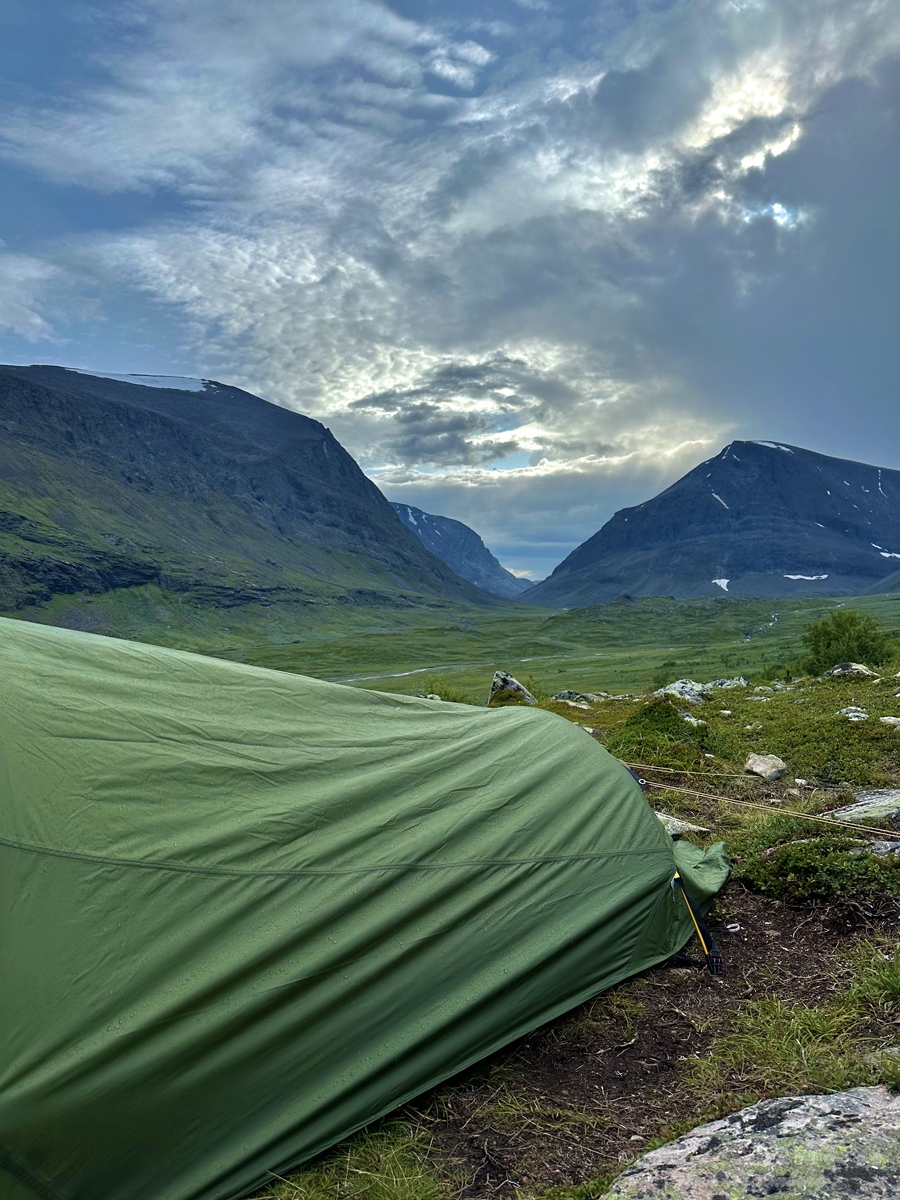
(243, 913)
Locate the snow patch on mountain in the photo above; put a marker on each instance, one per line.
(178, 383)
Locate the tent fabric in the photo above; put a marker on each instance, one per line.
(244, 912)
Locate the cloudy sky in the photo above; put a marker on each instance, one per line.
(529, 259)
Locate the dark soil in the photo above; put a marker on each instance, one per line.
(585, 1094)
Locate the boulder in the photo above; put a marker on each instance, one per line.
(504, 682)
(844, 669)
(767, 766)
(675, 827)
(802, 1147)
(870, 806)
(738, 681)
(684, 689)
(580, 697)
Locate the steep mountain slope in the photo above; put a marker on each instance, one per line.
(462, 550)
(201, 488)
(759, 519)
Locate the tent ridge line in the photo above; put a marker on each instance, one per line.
(300, 872)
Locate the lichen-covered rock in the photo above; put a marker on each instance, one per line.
(504, 682)
(580, 697)
(767, 766)
(675, 827)
(842, 670)
(798, 1147)
(684, 689)
(872, 805)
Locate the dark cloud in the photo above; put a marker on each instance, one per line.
(530, 259)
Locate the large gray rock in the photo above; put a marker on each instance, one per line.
(870, 806)
(504, 682)
(842, 670)
(798, 1147)
(767, 766)
(737, 682)
(684, 689)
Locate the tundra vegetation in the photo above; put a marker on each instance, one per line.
(810, 998)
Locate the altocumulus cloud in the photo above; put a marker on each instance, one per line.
(529, 260)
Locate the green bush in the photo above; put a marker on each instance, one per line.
(845, 636)
(657, 728)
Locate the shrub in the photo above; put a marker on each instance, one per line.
(786, 858)
(844, 636)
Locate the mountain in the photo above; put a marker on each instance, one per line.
(759, 519)
(462, 550)
(201, 489)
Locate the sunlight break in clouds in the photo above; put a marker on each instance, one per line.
(521, 265)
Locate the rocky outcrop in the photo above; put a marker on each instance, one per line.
(875, 805)
(506, 688)
(849, 669)
(802, 1147)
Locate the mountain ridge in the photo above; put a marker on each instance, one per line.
(462, 549)
(211, 491)
(758, 519)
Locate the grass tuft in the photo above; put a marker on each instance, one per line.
(389, 1164)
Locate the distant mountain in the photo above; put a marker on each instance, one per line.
(463, 550)
(113, 482)
(759, 519)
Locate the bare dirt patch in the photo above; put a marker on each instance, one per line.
(583, 1095)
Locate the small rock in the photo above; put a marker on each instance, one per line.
(574, 704)
(870, 806)
(504, 682)
(577, 697)
(805, 1147)
(724, 712)
(762, 688)
(795, 792)
(675, 827)
(432, 696)
(889, 720)
(767, 766)
(760, 699)
(801, 782)
(853, 713)
(690, 718)
(738, 681)
(842, 670)
(754, 725)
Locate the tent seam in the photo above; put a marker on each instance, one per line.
(22, 1174)
(304, 872)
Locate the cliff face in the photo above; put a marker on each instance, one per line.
(110, 483)
(759, 519)
(462, 550)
